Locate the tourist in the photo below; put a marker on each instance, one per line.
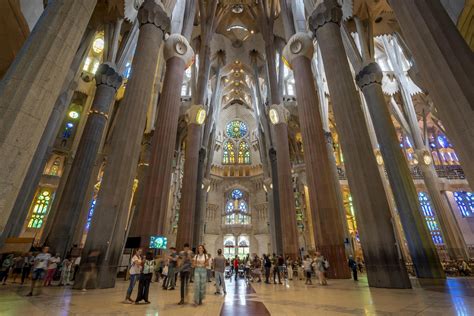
(186, 263)
(5, 268)
(145, 278)
(353, 266)
(281, 268)
(464, 268)
(321, 265)
(236, 266)
(360, 264)
(289, 268)
(66, 272)
(172, 265)
(158, 268)
(39, 268)
(300, 270)
(135, 270)
(275, 269)
(267, 264)
(200, 263)
(28, 261)
(257, 268)
(52, 267)
(308, 269)
(90, 269)
(17, 267)
(77, 263)
(219, 269)
(164, 274)
(209, 267)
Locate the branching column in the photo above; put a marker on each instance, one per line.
(152, 219)
(446, 66)
(107, 232)
(326, 218)
(372, 209)
(74, 193)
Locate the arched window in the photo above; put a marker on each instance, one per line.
(236, 129)
(430, 218)
(244, 153)
(243, 249)
(229, 246)
(236, 209)
(228, 156)
(40, 208)
(465, 202)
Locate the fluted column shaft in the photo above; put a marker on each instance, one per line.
(108, 228)
(326, 218)
(152, 218)
(372, 209)
(31, 86)
(74, 193)
(441, 52)
(369, 79)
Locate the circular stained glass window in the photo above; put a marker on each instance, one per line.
(236, 129)
(237, 194)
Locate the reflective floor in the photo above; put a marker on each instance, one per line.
(341, 297)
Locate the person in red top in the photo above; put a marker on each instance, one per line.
(236, 266)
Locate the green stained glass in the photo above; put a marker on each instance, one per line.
(236, 129)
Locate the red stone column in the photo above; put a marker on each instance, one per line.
(326, 219)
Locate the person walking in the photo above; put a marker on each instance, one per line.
(17, 267)
(66, 272)
(90, 269)
(28, 261)
(145, 279)
(5, 268)
(39, 268)
(135, 270)
(200, 263)
(185, 259)
(267, 264)
(289, 268)
(219, 269)
(321, 265)
(172, 265)
(308, 269)
(353, 266)
(236, 266)
(158, 268)
(52, 267)
(275, 269)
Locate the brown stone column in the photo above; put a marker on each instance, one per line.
(30, 87)
(326, 218)
(187, 207)
(74, 194)
(152, 215)
(441, 52)
(279, 116)
(107, 232)
(369, 79)
(372, 209)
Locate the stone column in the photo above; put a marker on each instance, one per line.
(195, 116)
(107, 232)
(326, 218)
(31, 86)
(441, 52)
(369, 79)
(275, 218)
(372, 209)
(152, 213)
(279, 116)
(75, 190)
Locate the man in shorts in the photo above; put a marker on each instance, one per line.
(39, 268)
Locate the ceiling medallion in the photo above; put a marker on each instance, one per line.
(237, 8)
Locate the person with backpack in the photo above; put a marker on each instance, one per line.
(145, 278)
(321, 265)
(200, 263)
(353, 266)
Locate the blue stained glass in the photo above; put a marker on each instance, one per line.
(465, 202)
(243, 206)
(237, 194)
(430, 218)
(236, 129)
(442, 141)
(90, 214)
(229, 207)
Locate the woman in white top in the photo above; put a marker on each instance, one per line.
(135, 269)
(200, 263)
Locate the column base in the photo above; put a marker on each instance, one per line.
(390, 276)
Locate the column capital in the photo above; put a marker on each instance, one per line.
(196, 114)
(328, 11)
(107, 75)
(300, 44)
(278, 114)
(152, 12)
(177, 45)
(369, 74)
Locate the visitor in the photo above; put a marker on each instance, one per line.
(289, 268)
(90, 269)
(158, 268)
(219, 269)
(200, 263)
(135, 270)
(52, 267)
(17, 267)
(281, 269)
(172, 265)
(145, 279)
(5, 268)
(353, 266)
(39, 268)
(236, 266)
(321, 265)
(164, 274)
(464, 268)
(257, 268)
(76, 265)
(300, 270)
(28, 261)
(308, 269)
(267, 264)
(209, 268)
(360, 264)
(275, 269)
(66, 272)
(186, 264)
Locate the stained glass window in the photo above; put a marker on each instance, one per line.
(243, 206)
(237, 194)
(244, 153)
(465, 201)
(228, 156)
(40, 208)
(430, 218)
(236, 129)
(90, 214)
(229, 207)
(235, 203)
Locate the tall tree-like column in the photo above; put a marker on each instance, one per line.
(441, 52)
(74, 193)
(30, 88)
(326, 218)
(152, 219)
(372, 209)
(108, 228)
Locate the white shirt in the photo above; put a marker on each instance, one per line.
(136, 267)
(42, 260)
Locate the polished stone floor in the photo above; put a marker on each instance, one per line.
(341, 297)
